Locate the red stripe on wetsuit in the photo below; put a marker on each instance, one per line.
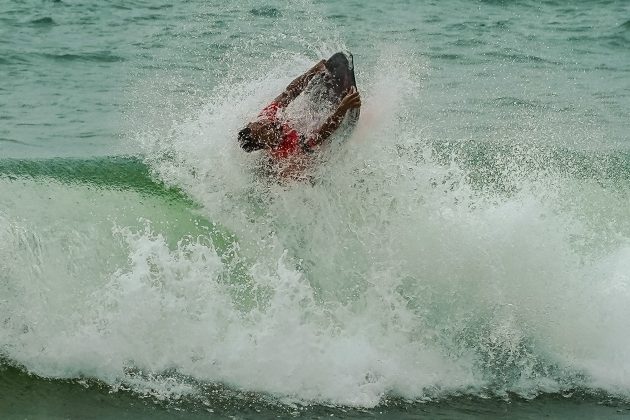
(292, 142)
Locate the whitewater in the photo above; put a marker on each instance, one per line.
(444, 248)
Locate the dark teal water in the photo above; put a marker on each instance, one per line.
(464, 253)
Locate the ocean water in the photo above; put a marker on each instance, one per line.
(464, 252)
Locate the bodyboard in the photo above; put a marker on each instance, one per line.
(340, 79)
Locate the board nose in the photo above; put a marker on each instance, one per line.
(339, 66)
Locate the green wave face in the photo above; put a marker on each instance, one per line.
(112, 173)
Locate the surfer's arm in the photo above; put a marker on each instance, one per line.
(351, 100)
(298, 85)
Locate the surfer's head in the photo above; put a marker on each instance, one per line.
(260, 134)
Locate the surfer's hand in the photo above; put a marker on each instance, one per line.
(351, 100)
